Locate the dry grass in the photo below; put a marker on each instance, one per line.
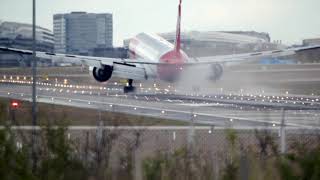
(75, 116)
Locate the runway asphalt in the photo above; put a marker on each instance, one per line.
(215, 109)
(246, 104)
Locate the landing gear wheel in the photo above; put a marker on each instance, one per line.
(129, 88)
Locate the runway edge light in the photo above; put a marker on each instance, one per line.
(15, 104)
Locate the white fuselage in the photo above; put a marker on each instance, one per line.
(154, 48)
(149, 47)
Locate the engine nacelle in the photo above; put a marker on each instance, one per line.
(102, 74)
(217, 71)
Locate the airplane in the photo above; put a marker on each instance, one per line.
(153, 57)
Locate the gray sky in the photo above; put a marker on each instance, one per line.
(286, 20)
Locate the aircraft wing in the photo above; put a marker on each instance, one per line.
(122, 68)
(100, 61)
(237, 57)
(252, 56)
(86, 60)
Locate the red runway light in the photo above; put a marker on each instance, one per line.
(14, 104)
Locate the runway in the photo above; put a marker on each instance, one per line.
(246, 96)
(222, 110)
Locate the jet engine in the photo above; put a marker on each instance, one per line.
(216, 72)
(102, 74)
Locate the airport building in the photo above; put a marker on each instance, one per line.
(211, 43)
(311, 56)
(81, 32)
(260, 35)
(19, 35)
(116, 52)
(311, 42)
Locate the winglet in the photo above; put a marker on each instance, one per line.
(177, 45)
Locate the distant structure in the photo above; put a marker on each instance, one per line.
(81, 32)
(312, 56)
(210, 43)
(19, 35)
(117, 52)
(261, 35)
(311, 42)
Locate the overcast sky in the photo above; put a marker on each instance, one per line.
(286, 20)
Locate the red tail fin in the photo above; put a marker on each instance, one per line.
(177, 45)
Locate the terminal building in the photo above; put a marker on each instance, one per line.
(19, 35)
(312, 56)
(212, 43)
(311, 42)
(81, 33)
(260, 35)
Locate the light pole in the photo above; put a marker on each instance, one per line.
(283, 132)
(191, 133)
(34, 71)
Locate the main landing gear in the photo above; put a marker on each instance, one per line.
(129, 88)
